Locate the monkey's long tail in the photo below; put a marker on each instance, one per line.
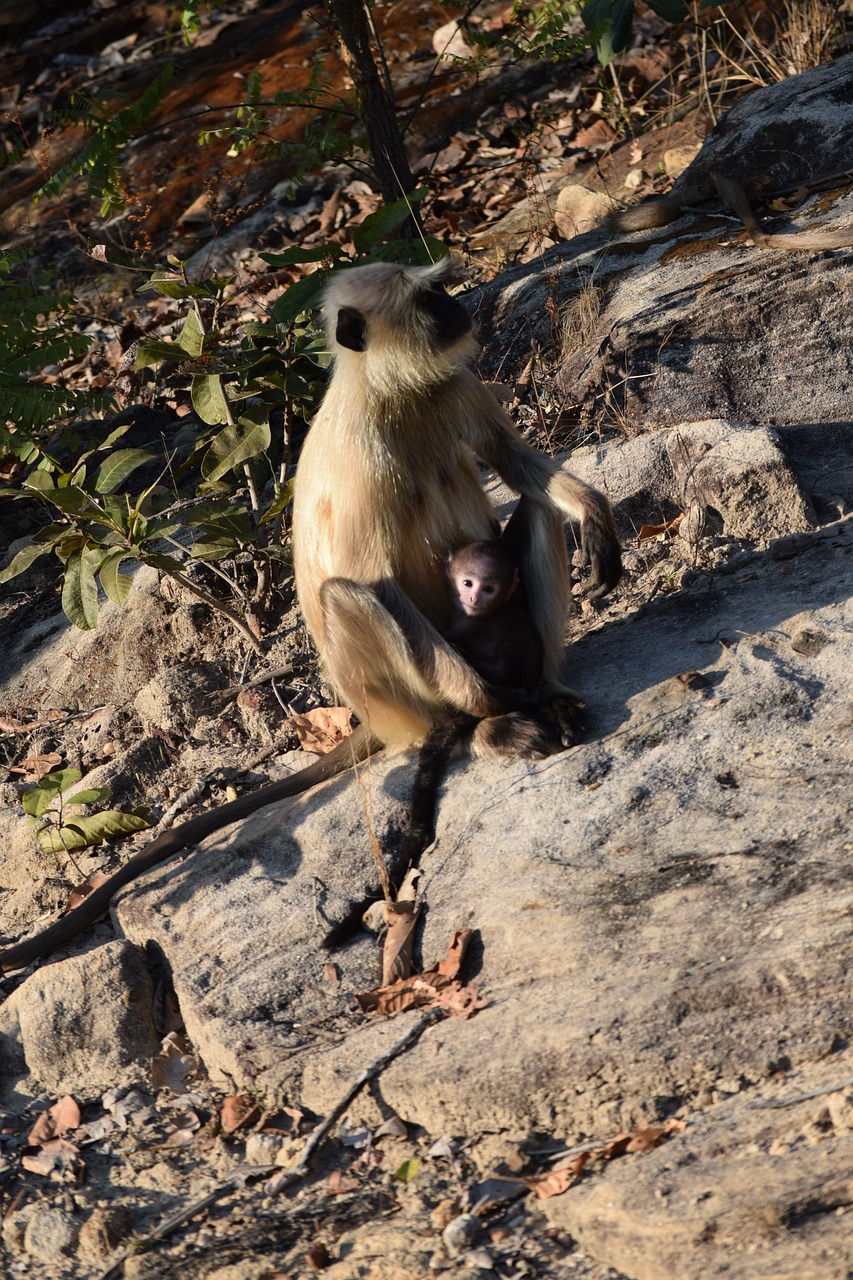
(438, 747)
(348, 753)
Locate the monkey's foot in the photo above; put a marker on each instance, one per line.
(569, 716)
(516, 735)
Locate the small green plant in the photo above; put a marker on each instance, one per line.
(46, 805)
(38, 328)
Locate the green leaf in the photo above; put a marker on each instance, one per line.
(233, 445)
(167, 283)
(154, 351)
(613, 19)
(282, 499)
(192, 334)
(80, 590)
(379, 225)
(71, 499)
(43, 794)
(670, 10)
(91, 830)
(22, 561)
(169, 564)
(118, 466)
(304, 295)
(209, 399)
(408, 1170)
(92, 795)
(296, 255)
(116, 585)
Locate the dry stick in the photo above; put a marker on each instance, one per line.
(285, 1177)
(804, 1097)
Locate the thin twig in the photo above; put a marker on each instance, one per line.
(286, 1177)
(218, 605)
(803, 1097)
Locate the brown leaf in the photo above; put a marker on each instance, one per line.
(339, 1183)
(595, 135)
(436, 988)
(81, 891)
(62, 1116)
(449, 967)
(169, 1070)
(401, 918)
(38, 766)
(693, 679)
(287, 1121)
(318, 1257)
(332, 975)
(237, 1111)
(556, 1181)
(56, 1157)
(660, 531)
(651, 1137)
(323, 728)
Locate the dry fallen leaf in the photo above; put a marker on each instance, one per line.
(339, 1183)
(318, 1257)
(58, 1158)
(237, 1111)
(62, 1116)
(322, 728)
(172, 1065)
(556, 1181)
(436, 988)
(37, 766)
(669, 529)
(82, 891)
(401, 918)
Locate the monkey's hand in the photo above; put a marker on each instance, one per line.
(600, 547)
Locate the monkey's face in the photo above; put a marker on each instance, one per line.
(480, 593)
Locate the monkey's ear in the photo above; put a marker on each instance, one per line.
(514, 581)
(351, 329)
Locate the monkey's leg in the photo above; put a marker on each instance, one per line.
(391, 665)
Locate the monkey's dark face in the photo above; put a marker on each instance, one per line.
(448, 319)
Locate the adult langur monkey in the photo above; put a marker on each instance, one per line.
(386, 483)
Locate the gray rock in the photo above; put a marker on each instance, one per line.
(85, 1022)
(739, 471)
(49, 1234)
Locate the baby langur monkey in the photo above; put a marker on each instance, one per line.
(491, 627)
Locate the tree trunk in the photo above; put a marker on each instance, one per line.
(373, 101)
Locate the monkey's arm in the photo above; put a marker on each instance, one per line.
(540, 479)
(348, 753)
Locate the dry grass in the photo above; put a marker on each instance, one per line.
(580, 317)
